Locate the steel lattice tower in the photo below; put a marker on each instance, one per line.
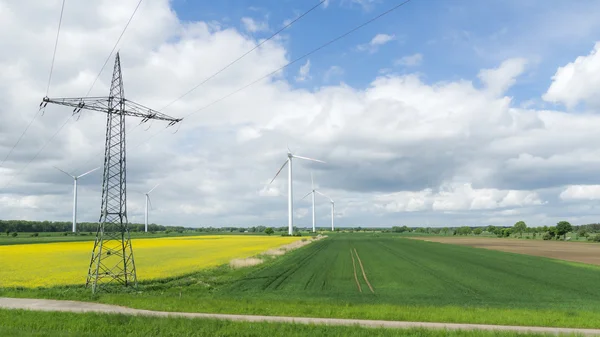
(112, 256)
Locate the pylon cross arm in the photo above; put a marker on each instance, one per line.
(101, 104)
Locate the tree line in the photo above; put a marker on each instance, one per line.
(25, 226)
(559, 231)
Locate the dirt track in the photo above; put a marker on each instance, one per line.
(78, 307)
(568, 251)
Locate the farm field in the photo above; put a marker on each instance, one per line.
(411, 280)
(28, 323)
(55, 264)
(413, 272)
(568, 251)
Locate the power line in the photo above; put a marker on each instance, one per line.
(91, 87)
(62, 9)
(228, 65)
(290, 63)
(38, 153)
(114, 47)
(244, 55)
(20, 137)
(302, 57)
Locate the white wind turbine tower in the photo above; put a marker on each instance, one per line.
(332, 207)
(290, 199)
(75, 178)
(312, 191)
(148, 202)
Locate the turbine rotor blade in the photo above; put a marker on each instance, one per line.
(282, 166)
(306, 158)
(88, 172)
(153, 188)
(72, 176)
(306, 195)
(150, 202)
(324, 196)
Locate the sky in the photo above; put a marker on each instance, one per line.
(440, 113)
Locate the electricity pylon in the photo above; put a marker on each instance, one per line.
(112, 256)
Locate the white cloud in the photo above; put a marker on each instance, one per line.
(410, 60)
(581, 192)
(498, 80)
(254, 26)
(303, 73)
(366, 5)
(396, 135)
(381, 39)
(457, 197)
(376, 42)
(333, 71)
(578, 81)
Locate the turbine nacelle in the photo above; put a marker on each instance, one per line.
(290, 156)
(75, 178)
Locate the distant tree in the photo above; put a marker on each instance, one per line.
(520, 227)
(491, 229)
(7, 232)
(14, 234)
(269, 231)
(551, 232)
(506, 232)
(464, 230)
(562, 228)
(477, 231)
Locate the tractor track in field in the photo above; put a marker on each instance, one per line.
(354, 267)
(363, 271)
(81, 307)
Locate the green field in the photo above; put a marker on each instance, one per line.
(411, 272)
(26, 323)
(412, 280)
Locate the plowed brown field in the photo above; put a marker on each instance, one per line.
(568, 251)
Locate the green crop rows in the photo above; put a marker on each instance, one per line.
(412, 272)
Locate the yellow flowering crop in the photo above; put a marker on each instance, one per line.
(50, 264)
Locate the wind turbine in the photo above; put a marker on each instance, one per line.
(332, 207)
(312, 191)
(290, 199)
(148, 202)
(75, 178)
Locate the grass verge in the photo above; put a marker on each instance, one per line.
(19, 323)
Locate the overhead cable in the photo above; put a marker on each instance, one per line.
(289, 64)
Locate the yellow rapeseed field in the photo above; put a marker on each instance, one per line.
(50, 264)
